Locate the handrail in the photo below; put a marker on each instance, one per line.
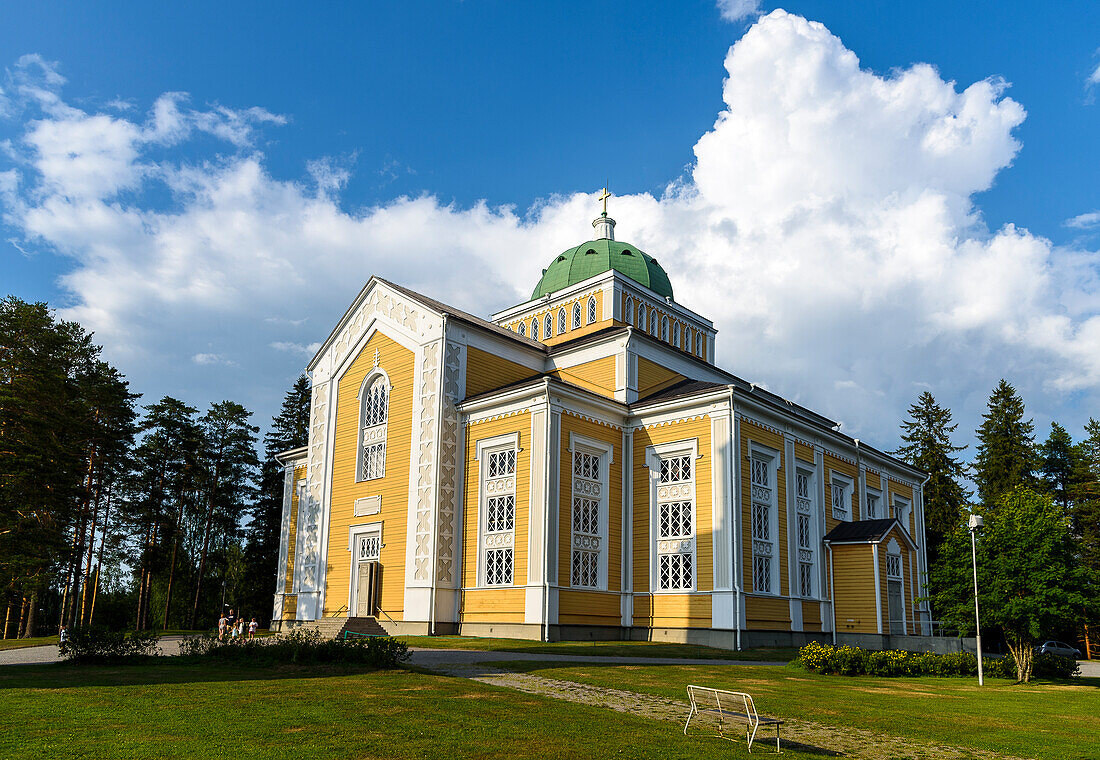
(337, 612)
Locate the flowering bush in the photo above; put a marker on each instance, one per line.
(853, 661)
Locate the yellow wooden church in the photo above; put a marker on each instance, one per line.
(576, 466)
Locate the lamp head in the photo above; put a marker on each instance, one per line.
(976, 522)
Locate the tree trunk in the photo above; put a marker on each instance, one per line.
(206, 538)
(20, 630)
(1023, 655)
(8, 616)
(91, 551)
(172, 566)
(33, 602)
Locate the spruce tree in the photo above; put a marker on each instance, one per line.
(1006, 446)
(927, 445)
(1057, 464)
(1085, 508)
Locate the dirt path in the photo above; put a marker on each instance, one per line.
(797, 734)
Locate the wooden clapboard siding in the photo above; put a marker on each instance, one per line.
(597, 376)
(832, 464)
(684, 430)
(652, 377)
(811, 616)
(290, 607)
(577, 607)
(485, 371)
(854, 588)
(471, 516)
(672, 610)
(292, 534)
(767, 614)
(613, 436)
(393, 488)
(503, 605)
(804, 453)
(763, 437)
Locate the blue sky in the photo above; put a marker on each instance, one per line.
(522, 106)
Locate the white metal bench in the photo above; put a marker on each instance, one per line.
(729, 704)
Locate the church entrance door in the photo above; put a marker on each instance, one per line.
(894, 604)
(367, 578)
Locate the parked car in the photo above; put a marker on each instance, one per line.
(1059, 648)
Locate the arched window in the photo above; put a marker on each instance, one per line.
(374, 400)
(654, 323)
(549, 323)
(576, 315)
(523, 329)
(591, 309)
(676, 334)
(534, 328)
(699, 346)
(687, 341)
(641, 316)
(664, 329)
(628, 310)
(561, 320)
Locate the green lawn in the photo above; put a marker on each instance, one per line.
(1053, 721)
(602, 648)
(174, 710)
(22, 643)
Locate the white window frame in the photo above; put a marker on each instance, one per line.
(495, 488)
(592, 310)
(523, 329)
(768, 498)
(628, 311)
(806, 507)
(534, 328)
(355, 534)
(688, 341)
(893, 551)
(845, 483)
(576, 315)
(563, 321)
(900, 509)
(659, 494)
(643, 315)
(581, 488)
(377, 434)
(548, 325)
(676, 334)
(664, 329)
(872, 495)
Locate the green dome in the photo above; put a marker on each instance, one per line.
(599, 256)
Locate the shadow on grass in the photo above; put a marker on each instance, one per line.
(162, 670)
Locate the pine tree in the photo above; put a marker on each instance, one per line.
(1085, 496)
(289, 430)
(1006, 446)
(927, 446)
(1057, 464)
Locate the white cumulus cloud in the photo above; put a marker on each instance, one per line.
(735, 10)
(827, 226)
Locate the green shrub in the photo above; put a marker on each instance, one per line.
(853, 661)
(299, 647)
(98, 644)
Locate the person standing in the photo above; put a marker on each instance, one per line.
(223, 621)
(252, 626)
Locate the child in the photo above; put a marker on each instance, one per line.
(252, 629)
(222, 623)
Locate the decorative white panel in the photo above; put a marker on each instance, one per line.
(368, 505)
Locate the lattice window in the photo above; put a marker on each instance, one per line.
(498, 567)
(500, 513)
(687, 340)
(762, 514)
(654, 323)
(589, 494)
(761, 522)
(804, 506)
(548, 326)
(591, 309)
(576, 315)
(675, 529)
(901, 512)
(523, 329)
(760, 473)
(498, 488)
(642, 311)
(872, 506)
(841, 502)
(676, 334)
(664, 329)
(373, 414)
(675, 469)
(805, 579)
(628, 311)
(370, 547)
(534, 328)
(893, 566)
(761, 573)
(561, 321)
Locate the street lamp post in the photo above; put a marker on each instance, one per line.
(976, 523)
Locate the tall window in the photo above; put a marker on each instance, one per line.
(498, 500)
(676, 334)
(654, 323)
(641, 316)
(628, 310)
(804, 509)
(591, 309)
(523, 329)
(840, 490)
(576, 315)
(549, 326)
(687, 341)
(535, 328)
(874, 501)
(900, 511)
(763, 530)
(676, 524)
(588, 519)
(373, 410)
(664, 329)
(561, 321)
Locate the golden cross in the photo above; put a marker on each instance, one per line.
(603, 197)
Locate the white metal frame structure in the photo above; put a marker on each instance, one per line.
(737, 704)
